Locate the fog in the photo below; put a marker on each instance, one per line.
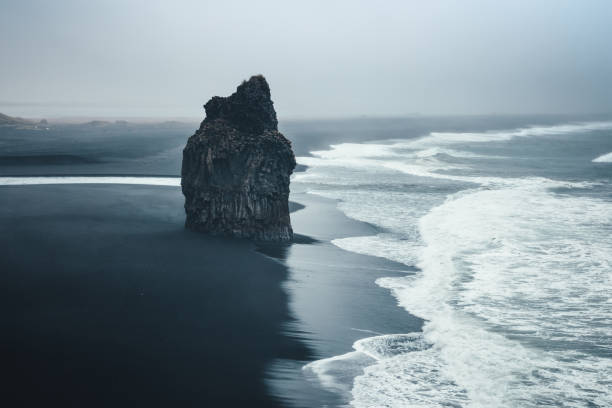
(322, 58)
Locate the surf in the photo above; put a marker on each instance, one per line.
(513, 277)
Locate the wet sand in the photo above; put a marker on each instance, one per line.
(106, 300)
(334, 300)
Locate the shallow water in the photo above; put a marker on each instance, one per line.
(143, 180)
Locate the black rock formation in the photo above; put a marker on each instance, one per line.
(236, 168)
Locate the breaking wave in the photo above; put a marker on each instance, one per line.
(606, 158)
(514, 277)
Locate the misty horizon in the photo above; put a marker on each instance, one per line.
(158, 59)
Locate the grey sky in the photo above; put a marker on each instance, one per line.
(322, 58)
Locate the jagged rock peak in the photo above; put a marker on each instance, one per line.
(236, 168)
(250, 108)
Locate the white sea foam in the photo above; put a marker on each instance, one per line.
(397, 370)
(434, 151)
(417, 164)
(355, 150)
(421, 157)
(606, 158)
(151, 181)
(401, 250)
(337, 373)
(534, 265)
(437, 139)
(514, 280)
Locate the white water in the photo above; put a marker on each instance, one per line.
(515, 280)
(606, 158)
(149, 181)
(442, 139)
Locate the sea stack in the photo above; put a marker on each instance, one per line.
(236, 168)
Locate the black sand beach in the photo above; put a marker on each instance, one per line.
(107, 301)
(334, 300)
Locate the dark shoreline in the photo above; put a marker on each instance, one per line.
(97, 314)
(107, 301)
(333, 298)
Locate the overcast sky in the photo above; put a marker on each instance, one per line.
(322, 58)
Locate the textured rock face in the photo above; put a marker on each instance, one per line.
(236, 168)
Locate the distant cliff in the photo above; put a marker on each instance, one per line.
(13, 121)
(236, 168)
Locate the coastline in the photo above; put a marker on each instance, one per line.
(334, 301)
(98, 314)
(107, 300)
(119, 304)
(215, 316)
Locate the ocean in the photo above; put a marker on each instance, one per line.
(448, 262)
(506, 238)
